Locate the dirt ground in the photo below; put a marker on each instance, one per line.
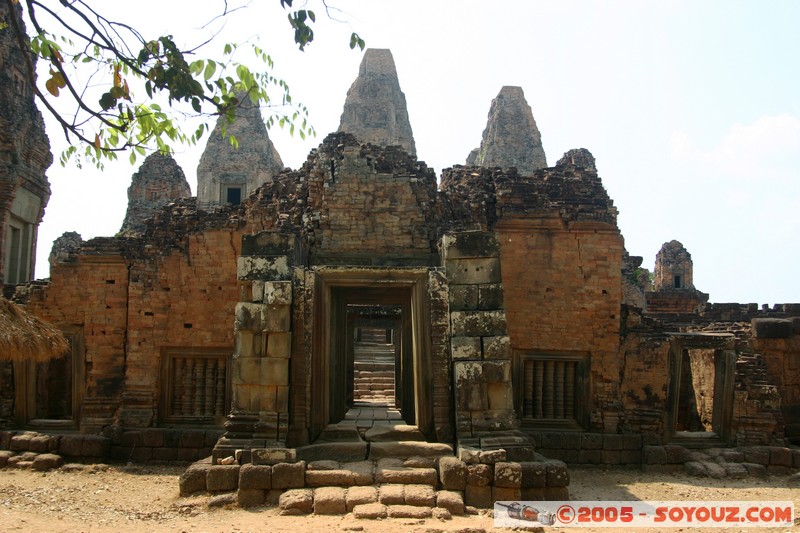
(135, 498)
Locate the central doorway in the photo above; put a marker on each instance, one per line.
(371, 346)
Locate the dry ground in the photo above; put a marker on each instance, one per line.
(110, 499)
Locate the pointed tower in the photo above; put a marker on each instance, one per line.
(227, 174)
(160, 180)
(24, 157)
(375, 109)
(511, 138)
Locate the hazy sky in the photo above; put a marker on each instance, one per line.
(691, 109)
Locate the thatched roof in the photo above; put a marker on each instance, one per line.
(24, 337)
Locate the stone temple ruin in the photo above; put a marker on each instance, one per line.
(358, 323)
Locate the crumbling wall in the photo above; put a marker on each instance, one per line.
(90, 293)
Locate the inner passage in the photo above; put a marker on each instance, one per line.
(375, 351)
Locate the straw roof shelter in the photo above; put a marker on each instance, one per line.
(24, 337)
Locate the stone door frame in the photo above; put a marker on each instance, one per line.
(334, 288)
(724, 375)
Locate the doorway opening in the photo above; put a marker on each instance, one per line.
(377, 331)
(701, 390)
(49, 394)
(371, 359)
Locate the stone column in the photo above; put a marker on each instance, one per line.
(259, 416)
(479, 345)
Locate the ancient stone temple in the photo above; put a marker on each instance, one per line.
(159, 181)
(24, 158)
(228, 174)
(359, 322)
(673, 283)
(511, 137)
(375, 108)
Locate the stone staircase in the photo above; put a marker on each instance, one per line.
(373, 369)
(405, 479)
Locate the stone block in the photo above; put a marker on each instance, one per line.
(152, 437)
(275, 371)
(612, 441)
(391, 494)
(222, 478)
(478, 496)
(755, 470)
(5, 455)
(250, 497)
(556, 494)
(451, 500)
(478, 323)
(479, 475)
(452, 473)
(420, 495)
(278, 318)
(193, 479)
(288, 475)
(465, 347)
(95, 446)
(771, 328)
(532, 494)
(463, 297)
(504, 494)
(557, 474)
(279, 344)
(70, 445)
(166, 454)
(193, 438)
(345, 451)
(379, 450)
(631, 442)
(551, 441)
(468, 244)
(264, 268)
(296, 502)
(497, 347)
(222, 500)
(271, 243)
(329, 501)
(630, 457)
(252, 476)
(677, 454)
(249, 317)
(490, 457)
(408, 511)
(533, 474)
(508, 475)
(273, 456)
(39, 443)
(5, 439)
(592, 441)
(590, 457)
(779, 456)
(654, 455)
(278, 292)
(756, 454)
(370, 511)
(360, 496)
(490, 296)
(611, 457)
(47, 461)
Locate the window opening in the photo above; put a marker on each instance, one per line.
(233, 195)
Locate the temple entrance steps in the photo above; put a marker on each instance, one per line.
(374, 372)
(401, 484)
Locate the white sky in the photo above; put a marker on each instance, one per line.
(691, 109)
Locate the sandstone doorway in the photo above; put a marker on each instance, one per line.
(378, 319)
(701, 390)
(48, 394)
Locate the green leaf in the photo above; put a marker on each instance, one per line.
(211, 68)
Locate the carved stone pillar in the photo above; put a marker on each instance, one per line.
(259, 416)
